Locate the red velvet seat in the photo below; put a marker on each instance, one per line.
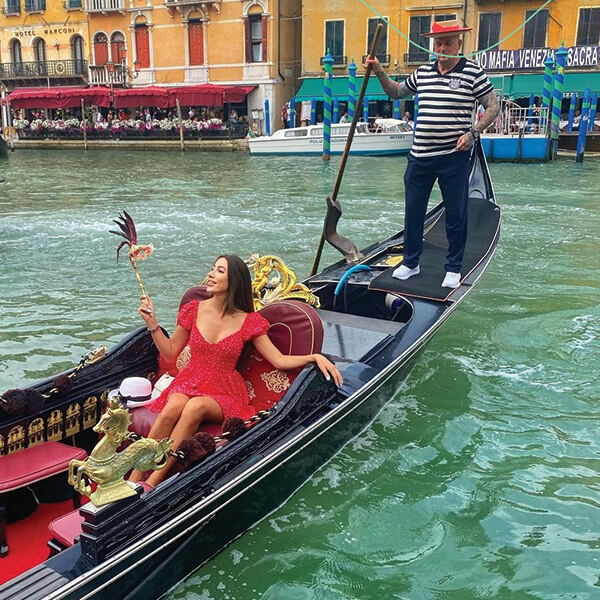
(30, 466)
(295, 329)
(66, 529)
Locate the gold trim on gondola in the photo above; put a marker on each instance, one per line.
(35, 432)
(55, 426)
(90, 411)
(72, 419)
(16, 439)
(282, 285)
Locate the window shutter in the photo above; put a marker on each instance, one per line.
(248, 40)
(196, 40)
(264, 38)
(101, 52)
(142, 45)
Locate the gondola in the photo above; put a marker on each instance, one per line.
(3, 147)
(370, 324)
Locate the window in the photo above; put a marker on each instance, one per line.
(588, 29)
(536, 29)
(142, 45)
(78, 54)
(16, 52)
(489, 30)
(256, 38)
(382, 48)
(439, 18)
(196, 40)
(334, 40)
(12, 7)
(419, 25)
(100, 49)
(39, 50)
(117, 47)
(35, 5)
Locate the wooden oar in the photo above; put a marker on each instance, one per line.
(334, 209)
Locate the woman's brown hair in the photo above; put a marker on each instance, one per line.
(239, 292)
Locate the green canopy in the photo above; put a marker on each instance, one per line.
(521, 85)
(312, 87)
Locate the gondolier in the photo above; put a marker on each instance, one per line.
(447, 89)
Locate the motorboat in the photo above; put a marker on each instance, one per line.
(383, 137)
(138, 547)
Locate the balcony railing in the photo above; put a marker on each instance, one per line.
(384, 59)
(49, 68)
(101, 75)
(104, 5)
(188, 2)
(338, 61)
(73, 4)
(12, 7)
(32, 6)
(417, 57)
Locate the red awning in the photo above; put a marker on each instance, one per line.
(97, 96)
(155, 96)
(197, 95)
(35, 98)
(237, 93)
(58, 97)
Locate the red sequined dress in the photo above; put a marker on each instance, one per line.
(211, 369)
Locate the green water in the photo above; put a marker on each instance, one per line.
(479, 479)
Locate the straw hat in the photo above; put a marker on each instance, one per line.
(442, 29)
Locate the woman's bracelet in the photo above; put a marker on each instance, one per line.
(155, 329)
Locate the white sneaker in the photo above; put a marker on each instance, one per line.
(403, 272)
(452, 280)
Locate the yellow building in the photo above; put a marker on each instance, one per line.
(183, 42)
(346, 28)
(42, 43)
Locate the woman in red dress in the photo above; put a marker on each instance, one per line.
(209, 389)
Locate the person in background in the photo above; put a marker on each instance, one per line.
(284, 116)
(344, 118)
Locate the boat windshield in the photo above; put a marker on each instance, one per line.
(295, 133)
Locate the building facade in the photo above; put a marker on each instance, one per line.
(43, 43)
(346, 30)
(132, 43)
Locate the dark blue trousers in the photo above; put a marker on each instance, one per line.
(452, 174)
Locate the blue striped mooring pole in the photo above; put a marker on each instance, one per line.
(548, 88)
(313, 111)
(559, 82)
(336, 110)
(583, 125)
(593, 111)
(351, 90)
(571, 118)
(366, 109)
(396, 108)
(267, 117)
(328, 66)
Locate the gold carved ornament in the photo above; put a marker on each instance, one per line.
(107, 467)
(274, 280)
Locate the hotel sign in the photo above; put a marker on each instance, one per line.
(534, 58)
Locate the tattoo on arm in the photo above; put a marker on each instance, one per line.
(492, 108)
(393, 89)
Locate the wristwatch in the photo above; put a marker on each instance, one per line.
(474, 133)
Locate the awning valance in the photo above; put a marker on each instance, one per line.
(522, 85)
(155, 96)
(58, 97)
(312, 87)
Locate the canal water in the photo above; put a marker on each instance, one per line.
(479, 479)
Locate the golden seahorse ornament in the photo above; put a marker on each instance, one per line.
(107, 467)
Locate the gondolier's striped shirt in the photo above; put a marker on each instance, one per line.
(446, 105)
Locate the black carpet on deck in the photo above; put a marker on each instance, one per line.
(484, 220)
